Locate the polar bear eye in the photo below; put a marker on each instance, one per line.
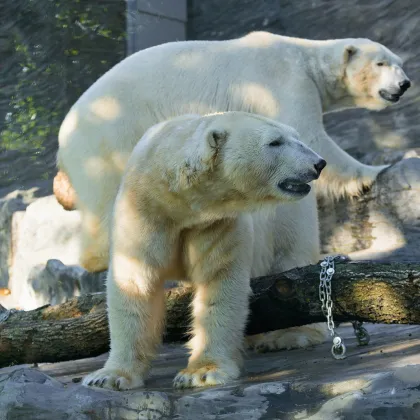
(275, 143)
(380, 64)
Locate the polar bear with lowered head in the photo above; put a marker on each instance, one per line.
(186, 209)
(291, 80)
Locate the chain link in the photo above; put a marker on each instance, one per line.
(361, 333)
(338, 349)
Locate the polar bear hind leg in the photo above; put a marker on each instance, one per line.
(96, 204)
(298, 235)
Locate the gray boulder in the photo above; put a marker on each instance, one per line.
(383, 223)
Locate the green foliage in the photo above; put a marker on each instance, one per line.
(51, 52)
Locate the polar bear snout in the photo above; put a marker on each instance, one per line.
(404, 85)
(319, 166)
(394, 93)
(298, 185)
(393, 83)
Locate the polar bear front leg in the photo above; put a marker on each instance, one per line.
(135, 323)
(219, 264)
(135, 297)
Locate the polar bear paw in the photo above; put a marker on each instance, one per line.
(204, 376)
(289, 338)
(116, 379)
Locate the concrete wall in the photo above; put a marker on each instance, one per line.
(155, 22)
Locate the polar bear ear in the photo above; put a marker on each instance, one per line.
(215, 140)
(202, 156)
(349, 52)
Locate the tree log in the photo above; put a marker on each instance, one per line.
(368, 291)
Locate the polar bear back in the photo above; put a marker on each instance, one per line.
(181, 78)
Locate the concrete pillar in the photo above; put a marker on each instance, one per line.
(154, 22)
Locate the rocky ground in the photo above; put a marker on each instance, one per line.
(376, 382)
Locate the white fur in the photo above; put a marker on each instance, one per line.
(187, 208)
(291, 80)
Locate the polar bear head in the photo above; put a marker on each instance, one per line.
(372, 74)
(246, 157)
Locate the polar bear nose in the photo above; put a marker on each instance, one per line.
(320, 166)
(404, 85)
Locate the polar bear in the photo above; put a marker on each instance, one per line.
(188, 206)
(291, 80)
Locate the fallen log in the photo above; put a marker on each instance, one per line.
(365, 291)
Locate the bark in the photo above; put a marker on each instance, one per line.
(367, 291)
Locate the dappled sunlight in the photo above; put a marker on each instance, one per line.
(408, 371)
(106, 108)
(392, 348)
(366, 230)
(188, 60)
(132, 277)
(111, 165)
(383, 295)
(257, 39)
(341, 387)
(68, 126)
(198, 342)
(119, 160)
(95, 166)
(373, 254)
(387, 236)
(383, 137)
(272, 376)
(259, 99)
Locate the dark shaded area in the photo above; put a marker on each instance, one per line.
(51, 52)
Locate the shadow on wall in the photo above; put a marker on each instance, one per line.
(383, 224)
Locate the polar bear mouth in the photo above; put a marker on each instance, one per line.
(390, 97)
(293, 186)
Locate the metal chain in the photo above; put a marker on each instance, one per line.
(361, 333)
(338, 349)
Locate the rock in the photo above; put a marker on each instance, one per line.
(42, 232)
(381, 224)
(56, 282)
(13, 202)
(30, 394)
(389, 156)
(380, 381)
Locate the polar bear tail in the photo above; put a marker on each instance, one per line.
(62, 188)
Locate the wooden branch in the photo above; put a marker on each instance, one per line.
(367, 291)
